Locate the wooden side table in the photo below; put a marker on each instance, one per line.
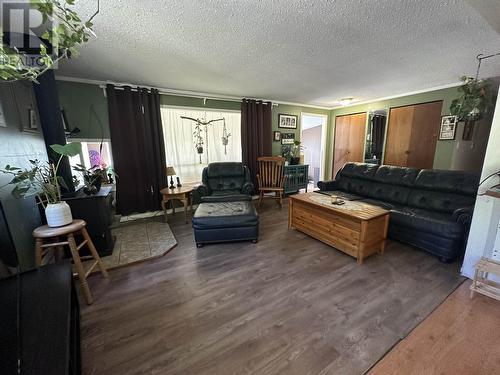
(183, 194)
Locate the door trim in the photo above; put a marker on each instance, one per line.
(324, 134)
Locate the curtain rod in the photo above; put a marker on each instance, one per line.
(173, 93)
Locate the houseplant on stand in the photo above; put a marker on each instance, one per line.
(42, 179)
(92, 178)
(296, 149)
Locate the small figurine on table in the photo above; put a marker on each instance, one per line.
(179, 182)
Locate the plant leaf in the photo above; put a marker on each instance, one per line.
(69, 149)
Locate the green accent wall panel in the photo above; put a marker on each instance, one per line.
(86, 108)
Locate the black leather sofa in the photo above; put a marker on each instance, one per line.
(226, 212)
(429, 209)
(223, 182)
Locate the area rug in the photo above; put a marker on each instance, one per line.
(137, 242)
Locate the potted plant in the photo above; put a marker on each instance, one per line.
(287, 153)
(475, 100)
(42, 179)
(92, 178)
(296, 149)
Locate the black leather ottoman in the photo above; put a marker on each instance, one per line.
(225, 222)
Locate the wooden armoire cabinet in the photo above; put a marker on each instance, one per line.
(412, 135)
(349, 142)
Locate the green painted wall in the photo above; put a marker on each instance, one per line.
(86, 108)
(444, 149)
(292, 110)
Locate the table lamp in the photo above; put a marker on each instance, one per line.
(171, 172)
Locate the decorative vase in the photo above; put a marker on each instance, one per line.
(58, 214)
(294, 160)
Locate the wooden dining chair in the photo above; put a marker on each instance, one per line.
(271, 178)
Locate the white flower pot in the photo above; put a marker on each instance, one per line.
(58, 214)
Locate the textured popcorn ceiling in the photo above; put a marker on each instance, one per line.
(313, 51)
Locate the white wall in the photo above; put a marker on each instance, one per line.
(487, 209)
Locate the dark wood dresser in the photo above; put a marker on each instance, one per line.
(98, 211)
(46, 337)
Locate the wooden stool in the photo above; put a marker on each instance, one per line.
(481, 283)
(51, 236)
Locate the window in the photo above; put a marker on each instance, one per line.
(180, 140)
(93, 154)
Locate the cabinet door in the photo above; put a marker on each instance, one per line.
(424, 135)
(349, 140)
(357, 134)
(341, 143)
(397, 145)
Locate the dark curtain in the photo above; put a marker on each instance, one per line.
(256, 133)
(378, 130)
(138, 148)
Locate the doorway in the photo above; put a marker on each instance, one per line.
(313, 138)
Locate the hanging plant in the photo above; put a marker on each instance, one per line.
(64, 32)
(198, 138)
(475, 100)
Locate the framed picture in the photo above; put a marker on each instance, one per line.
(287, 121)
(287, 138)
(276, 136)
(448, 128)
(468, 131)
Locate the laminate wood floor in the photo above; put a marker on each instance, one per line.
(286, 305)
(460, 337)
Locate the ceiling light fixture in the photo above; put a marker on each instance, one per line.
(346, 101)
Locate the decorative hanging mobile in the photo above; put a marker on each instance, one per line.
(225, 137)
(198, 138)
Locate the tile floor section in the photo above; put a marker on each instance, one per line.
(140, 241)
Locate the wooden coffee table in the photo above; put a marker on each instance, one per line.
(356, 228)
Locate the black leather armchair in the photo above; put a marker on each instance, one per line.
(429, 209)
(225, 182)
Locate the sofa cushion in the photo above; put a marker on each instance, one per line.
(225, 176)
(226, 196)
(438, 201)
(355, 185)
(225, 215)
(363, 171)
(402, 176)
(427, 221)
(390, 193)
(448, 181)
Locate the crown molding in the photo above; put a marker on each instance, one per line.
(423, 91)
(211, 96)
(186, 93)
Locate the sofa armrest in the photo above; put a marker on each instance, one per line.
(203, 190)
(463, 215)
(328, 185)
(247, 188)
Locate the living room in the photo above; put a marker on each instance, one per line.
(236, 187)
